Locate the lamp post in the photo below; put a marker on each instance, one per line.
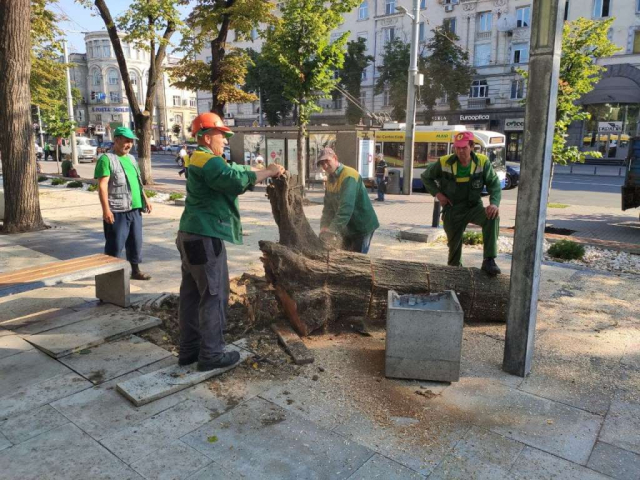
(74, 149)
(412, 82)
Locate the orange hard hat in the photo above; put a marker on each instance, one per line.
(207, 121)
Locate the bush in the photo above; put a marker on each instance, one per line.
(151, 193)
(66, 166)
(58, 181)
(566, 250)
(93, 187)
(472, 238)
(175, 196)
(42, 178)
(75, 184)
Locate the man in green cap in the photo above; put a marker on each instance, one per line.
(123, 199)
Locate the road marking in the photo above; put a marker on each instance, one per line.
(589, 183)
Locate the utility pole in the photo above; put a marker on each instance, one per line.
(412, 82)
(40, 129)
(533, 191)
(74, 149)
(261, 122)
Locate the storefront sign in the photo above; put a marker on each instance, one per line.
(474, 118)
(110, 109)
(514, 124)
(609, 127)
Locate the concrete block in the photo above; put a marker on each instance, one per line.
(422, 234)
(180, 202)
(533, 463)
(20, 428)
(615, 462)
(113, 359)
(12, 345)
(54, 318)
(114, 287)
(25, 369)
(173, 462)
(622, 426)
(424, 336)
(383, 468)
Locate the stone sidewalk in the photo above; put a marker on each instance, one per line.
(576, 417)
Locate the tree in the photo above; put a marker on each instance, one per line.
(355, 61)
(300, 44)
(265, 77)
(210, 22)
(22, 204)
(446, 70)
(393, 76)
(149, 24)
(58, 126)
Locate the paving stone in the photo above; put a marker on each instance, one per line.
(64, 452)
(22, 427)
(54, 318)
(12, 345)
(421, 234)
(158, 384)
(550, 426)
(479, 455)
(89, 333)
(4, 442)
(32, 396)
(5, 332)
(383, 468)
(23, 369)
(160, 364)
(173, 462)
(68, 295)
(113, 359)
(142, 439)
(622, 426)
(258, 439)
(533, 463)
(615, 462)
(214, 471)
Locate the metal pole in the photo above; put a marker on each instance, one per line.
(435, 219)
(261, 122)
(74, 150)
(411, 101)
(540, 118)
(40, 125)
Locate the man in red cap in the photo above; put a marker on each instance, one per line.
(211, 216)
(457, 182)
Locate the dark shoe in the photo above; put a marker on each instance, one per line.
(489, 266)
(188, 359)
(224, 360)
(140, 276)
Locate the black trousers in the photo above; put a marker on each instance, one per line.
(125, 232)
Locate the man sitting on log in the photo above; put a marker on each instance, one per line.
(457, 181)
(347, 213)
(210, 217)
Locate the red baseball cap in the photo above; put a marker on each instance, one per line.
(462, 139)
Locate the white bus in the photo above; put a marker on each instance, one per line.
(432, 142)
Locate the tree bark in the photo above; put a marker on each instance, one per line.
(217, 57)
(22, 204)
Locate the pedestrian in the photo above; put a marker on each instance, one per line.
(123, 200)
(348, 215)
(457, 182)
(211, 216)
(183, 161)
(382, 173)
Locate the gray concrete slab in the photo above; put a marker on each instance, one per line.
(622, 426)
(45, 299)
(385, 469)
(278, 443)
(20, 428)
(54, 318)
(165, 362)
(421, 234)
(550, 426)
(214, 471)
(159, 384)
(5, 332)
(114, 359)
(533, 463)
(23, 369)
(64, 452)
(176, 461)
(615, 462)
(142, 439)
(12, 345)
(91, 332)
(4, 442)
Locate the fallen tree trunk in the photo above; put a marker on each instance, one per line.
(317, 286)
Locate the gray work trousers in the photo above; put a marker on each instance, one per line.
(204, 295)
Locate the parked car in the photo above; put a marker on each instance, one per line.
(157, 148)
(174, 148)
(513, 177)
(85, 147)
(105, 147)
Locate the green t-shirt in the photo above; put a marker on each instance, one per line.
(462, 188)
(103, 169)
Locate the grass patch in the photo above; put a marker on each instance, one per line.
(472, 238)
(74, 184)
(557, 205)
(58, 181)
(150, 193)
(176, 196)
(42, 178)
(566, 250)
(93, 187)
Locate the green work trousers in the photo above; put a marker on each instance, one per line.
(457, 217)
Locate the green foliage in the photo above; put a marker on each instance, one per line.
(74, 184)
(446, 71)
(93, 187)
(42, 178)
(175, 196)
(393, 76)
(355, 61)
(150, 193)
(66, 166)
(472, 238)
(58, 181)
(146, 22)
(566, 250)
(265, 77)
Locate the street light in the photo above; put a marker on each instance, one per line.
(74, 149)
(412, 82)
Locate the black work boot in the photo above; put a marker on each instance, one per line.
(489, 266)
(223, 360)
(188, 359)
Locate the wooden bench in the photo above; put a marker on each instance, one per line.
(111, 273)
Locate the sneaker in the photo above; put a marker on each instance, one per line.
(489, 266)
(188, 359)
(224, 360)
(140, 276)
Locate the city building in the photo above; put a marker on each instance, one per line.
(496, 34)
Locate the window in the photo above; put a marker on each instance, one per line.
(97, 53)
(113, 77)
(484, 22)
(97, 78)
(601, 8)
(192, 102)
(176, 101)
(134, 78)
(517, 89)
(523, 17)
(106, 49)
(520, 53)
(421, 33)
(389, 7)
(115, 118)
(126, 49)
(89, 50)
(449, 25)
(423, 4)
(363, 11)
(365, 37)
(114, 97)
(636, 41)
(482, 55)
(99, 117)
(566, 11)
(185, 102)
(479, 89)
(386, 98)
(637, 5)
(388, 34)
(363, 97)
(80, 115)
(337, 102)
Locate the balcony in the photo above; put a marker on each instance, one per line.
(483, 35)
(477, 103)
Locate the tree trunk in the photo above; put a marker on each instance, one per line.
(143, 124)
(316, 286)
(22, 204)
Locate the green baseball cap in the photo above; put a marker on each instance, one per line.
(124, 132)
